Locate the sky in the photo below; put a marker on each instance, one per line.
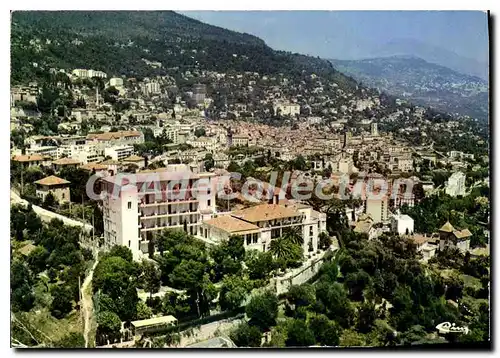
(350, 35)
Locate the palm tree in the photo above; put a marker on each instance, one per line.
(280, 248)
(294, 235)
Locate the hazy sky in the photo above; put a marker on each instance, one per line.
(357, 34)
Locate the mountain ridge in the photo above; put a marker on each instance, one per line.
(433, 54)
(422, 82)
(117, 42)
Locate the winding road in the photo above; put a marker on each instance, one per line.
(87, 304)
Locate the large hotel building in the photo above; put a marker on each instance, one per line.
(136, 207)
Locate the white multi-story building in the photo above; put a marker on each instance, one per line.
(119, 152)
(116, 82)
(456, 184)
(405, 164)
(150, 88)
(46, 150)
(346, 165)
(94, 73)
(109, 139)
(83, 73)
(137, 207)
(239, 141)
(378, 208)
(209, 143)
(286, 109)
(374, 129)
(402, 224)
(259, 225)
(84, 153)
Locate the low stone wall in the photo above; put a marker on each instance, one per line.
(298, 276)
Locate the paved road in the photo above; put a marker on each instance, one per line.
(47, 215)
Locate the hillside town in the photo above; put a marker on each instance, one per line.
(221, 209)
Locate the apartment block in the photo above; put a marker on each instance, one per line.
(119, 152)
(378, 208)
(456, 184)
(137, 207)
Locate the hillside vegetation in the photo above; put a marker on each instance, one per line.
(118, 43)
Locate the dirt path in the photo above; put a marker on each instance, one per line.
(87, 304)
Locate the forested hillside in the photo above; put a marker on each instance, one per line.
(118, 43)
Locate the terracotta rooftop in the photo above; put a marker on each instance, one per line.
(94, 166)
(110, 162)
(27, 158)
(52, 180)
(462, 234)
(231, 224)
(420, 239)
(265, 212)
(133, 158)
(363, 226)
(447, 227)
(113, 135)
(66, 161)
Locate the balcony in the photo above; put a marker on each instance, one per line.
(168, 202)
(166, 215)
(166, 226)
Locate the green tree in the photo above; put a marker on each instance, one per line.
(246, 335)
(151, 277)
(143, 311)
(112, 275)
(120, 251)
(325, 241)
(209, 161)
(350, 338)
(366, 317)
(299, 334)
(22, 298)
(108, 326)
(286, 252)
(301, 296)
(326, 332)
(62, 302)
(17, 222)
(259, 264)
(104, 302)
(33, 222)
(263, 310)
(333, 301)
(50, 201)
(37, 259)
(356, 283)
(233, 292)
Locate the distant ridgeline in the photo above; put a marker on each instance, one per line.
(422, 83)
(127, 42)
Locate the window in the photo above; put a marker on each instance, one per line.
(248, 240)
(128, 243)
(62, 196)
(208, 202)
(129, 204)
